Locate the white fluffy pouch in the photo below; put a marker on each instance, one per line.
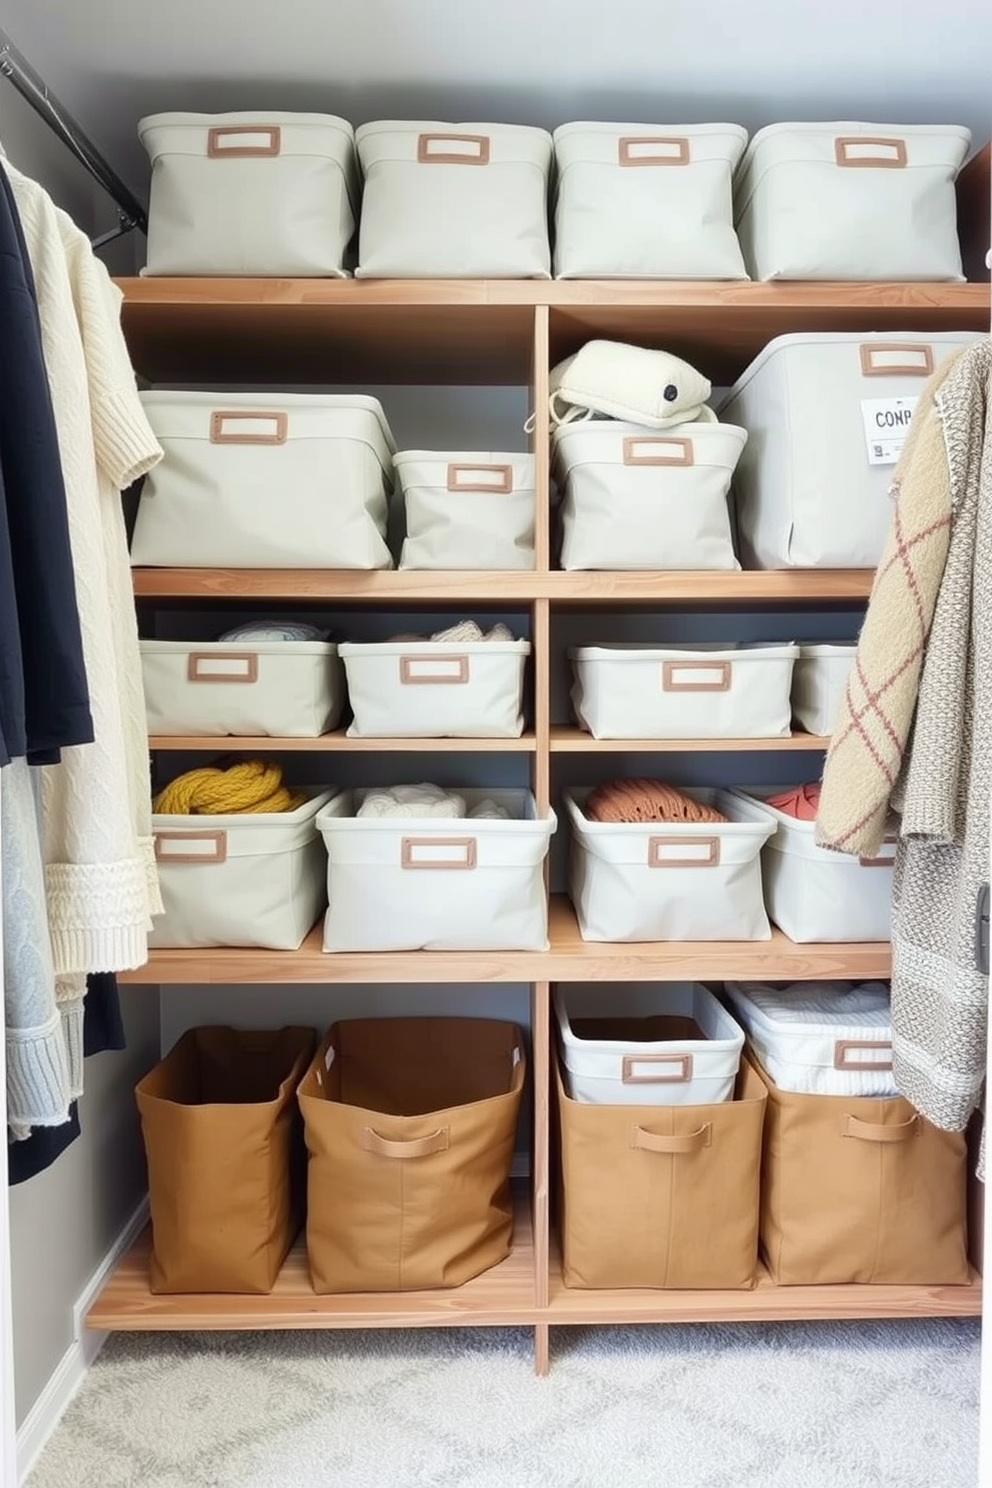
(633, 383)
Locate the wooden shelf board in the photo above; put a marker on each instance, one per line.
(569, 959)
(571, 740)
(501, 1297)
(337, 743)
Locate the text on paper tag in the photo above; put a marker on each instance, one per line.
(887, 422)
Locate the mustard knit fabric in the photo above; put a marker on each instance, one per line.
(249, 786)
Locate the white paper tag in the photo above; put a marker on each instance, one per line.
(886, 422)
(329, 1058)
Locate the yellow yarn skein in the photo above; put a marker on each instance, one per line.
(250, 786)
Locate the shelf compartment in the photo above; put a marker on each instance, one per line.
(572, 740)
(569, 959)
(336, 743)
(500, 1297)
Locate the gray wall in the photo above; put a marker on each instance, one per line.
(64, 1221)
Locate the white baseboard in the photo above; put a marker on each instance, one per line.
(71, 1369)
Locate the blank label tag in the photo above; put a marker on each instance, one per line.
(886, 422)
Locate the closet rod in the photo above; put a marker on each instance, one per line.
(14, 66)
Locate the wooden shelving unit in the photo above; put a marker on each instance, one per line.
(487, 332)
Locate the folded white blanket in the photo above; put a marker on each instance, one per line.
(426, 800)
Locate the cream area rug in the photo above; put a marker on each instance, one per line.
(841, 1405)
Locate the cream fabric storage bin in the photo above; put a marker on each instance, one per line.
(634, 691)
(819, 680)
(851, 201)
(812, 486)
(282, 689)
(260, 193)
(436, 689)
(646, 1043)
(647, 201)
(437, 884)
(661, 881)
(265, 480)
(814, 894)
(471, 509)
(820, 1038)
(637, 499)
(240, 880)
(455, 201)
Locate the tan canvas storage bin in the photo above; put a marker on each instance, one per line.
(646, 1044)
(647, 201)
(224, 1144)
(265, 480)
(851, 201)
(436, 689)
(434, 883)
(257, 193)
(860, 1191)
(819, 679)
(826, 414)
(465, 510)
(660, 881)
(633, 498)
(280, 689)
(410, 1126)
(247, 880)
(453, 201)
(820, 1038)
(815, 894)
(662, 1196)
(634, 691)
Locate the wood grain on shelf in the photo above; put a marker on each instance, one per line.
(540, 1005)
(568, 739)
(570, 958)
(338, 742)
(974, 197)
(500, 1297)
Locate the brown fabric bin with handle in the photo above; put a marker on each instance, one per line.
(860, 1190)
(225, 1153)
(410, 1125)
(662, 1196)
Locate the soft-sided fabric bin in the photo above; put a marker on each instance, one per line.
(826, 415)
(815, 894)
(646, 1044)
(851, 201)
(436, 689)
(819, 678)
(280, 689)
(265, 193)
(265, 480)
(240, 880)
(467, 509)
(410, 1126)
(860, 1190)
(820, 1038)
(634, 691)
(668, 881)
(224, 1144)
(634, 498)
(453, 201)
(437, 884)
(662, 1196)
(647, 201)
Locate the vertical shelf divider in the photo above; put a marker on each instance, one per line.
(541, 1059)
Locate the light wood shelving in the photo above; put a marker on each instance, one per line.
(211, 331)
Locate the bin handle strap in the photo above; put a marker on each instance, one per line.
(646, 1141)
(871, 1131)
(436, 1141)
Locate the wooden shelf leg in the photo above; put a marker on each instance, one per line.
(542, 1349)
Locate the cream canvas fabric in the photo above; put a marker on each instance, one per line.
(467, 509)
(436, 689)
(815, 894)
(637, 384)
(287, 689)
(808, 494)
(851, 201)
(638, 499)
(820, 1038)
(240, 880)
(818, 682)
(635, 691)
(266, 480)
(458, 201)
(655, 881)
(250, 193)
(647, 201)
(424, 883)
(646, 1043)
